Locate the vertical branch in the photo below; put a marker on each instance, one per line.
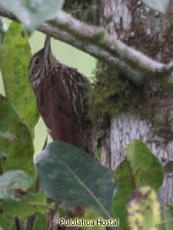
(30, 222)
(52, 220)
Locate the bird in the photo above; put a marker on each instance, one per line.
(62, 95)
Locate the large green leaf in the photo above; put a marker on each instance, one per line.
(34, 203)
(126, 185)
(141, 168)
(146, 168)
(67, 173)
(15, 56)
(14, 184)
(15, 140)
(159, 5)
(31, 12)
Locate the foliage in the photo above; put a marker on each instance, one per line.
(141, 168)
(126, 184)
(31, 204)
(31, 13)
(62, 169)
(13, 185)
(15, 198)
(18, 117)
(159, 5)
(15, 140)
(145, 166)
(143, 210)
(15, 50)
(66, 173)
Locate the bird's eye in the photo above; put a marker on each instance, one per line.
(37, 61)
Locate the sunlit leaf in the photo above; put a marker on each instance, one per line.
(69, 174)
(144, 209)
(33, 12)
(12, 182)
(159, 5)
(15, 140)
(15, 56)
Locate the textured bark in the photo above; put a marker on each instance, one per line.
(149, 32)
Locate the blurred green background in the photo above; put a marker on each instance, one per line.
(67, 55)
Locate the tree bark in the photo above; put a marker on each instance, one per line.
(150, 32)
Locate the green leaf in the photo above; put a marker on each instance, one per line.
(141, 168)
(146, 168)
(40, 222)
(144, 209)
(67, 173)
(126, 185)
(15, 56)
(159, 5)
(15, 140)
(14, 184)
(31, 12)
(4, 222)
(34, 203)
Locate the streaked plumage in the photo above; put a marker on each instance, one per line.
(62, 97)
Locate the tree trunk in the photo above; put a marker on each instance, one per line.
(151, 120)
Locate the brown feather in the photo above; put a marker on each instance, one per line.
(62, 99)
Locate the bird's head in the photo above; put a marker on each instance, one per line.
(39, 64)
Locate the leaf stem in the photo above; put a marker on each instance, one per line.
(17, 223)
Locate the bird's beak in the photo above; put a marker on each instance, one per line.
(47, 47)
